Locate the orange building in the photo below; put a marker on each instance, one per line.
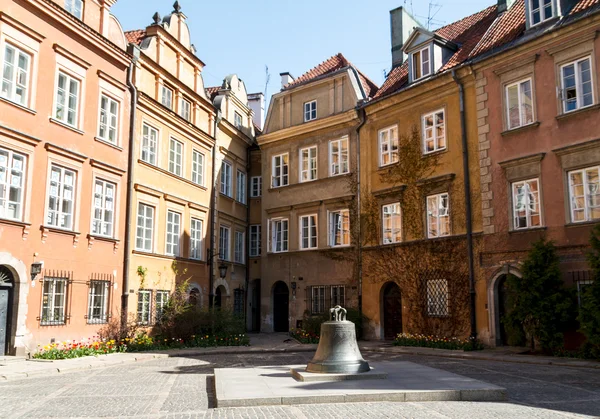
(64, 123)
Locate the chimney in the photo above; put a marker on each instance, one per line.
(286, 78)
(256, 101)
(401, 26)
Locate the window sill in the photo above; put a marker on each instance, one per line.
(14, 222)
(528, 230)
(160, 256)
(577, 112)
(60, 231)
(18, 105)
(517, 130)
(62, 124)
(434, 153)
(582, 223)
(312, 182)
(222, 195)
(166, 172)
(108, 143)
(103, 238)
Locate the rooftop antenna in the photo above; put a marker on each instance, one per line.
(267, 79)
(410, 4)
(434, 9)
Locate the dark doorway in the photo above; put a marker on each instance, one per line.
(6, 288)
(502, 338)
(193, 299)
(392, 311)
(281, 301)
(218, 296)
(255, 305)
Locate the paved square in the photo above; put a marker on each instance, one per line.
(406, 382)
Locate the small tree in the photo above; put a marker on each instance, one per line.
(541, 304)
(589, 314)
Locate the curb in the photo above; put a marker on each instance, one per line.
(482, 357)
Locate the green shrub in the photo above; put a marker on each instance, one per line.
(303, 336)
(589, 313)
(438, 342)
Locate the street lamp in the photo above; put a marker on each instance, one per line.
(36, 269)
(222, 270)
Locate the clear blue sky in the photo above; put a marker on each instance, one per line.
(242, 36)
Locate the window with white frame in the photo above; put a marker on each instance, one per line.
(339, 162)
(226, 174)
(280, 171)
(224, 233)
(75, 7)
(388, 146)
(196, 234)
(526, 204)
(582, 286)
(339, 228)
(54, 296)
(98, 302)
(160, 303)
(167, 97)
(310, 111)
(144, 306)
(255, 239)
(173, 233)
(576, 84)
(104, 208)
(15, 75)
(238, 247)
(540, 11)
(338, 295)
(61, 198)
(438, 303)
(237, 120)
(308, 164)
(438, 215)
(421, 63)
(109, 119)
(67, 99)
(391, 219)
(308, 232)
(198, 167)
(12, 184)
(255, 186)
(318, 299)
(149, 142)
(434, 132)
(175, 157)
(185, 109)
(584, 194)
(145, 228)
(519, 104)
(279, 235)
(241, 187)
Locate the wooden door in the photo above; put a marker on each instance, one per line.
(392, 311)
(281, 302)
(4, 310)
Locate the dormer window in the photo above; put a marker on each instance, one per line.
(421, 63)
(237, 120)
(75, 7)
(310, 111)
(540, 11)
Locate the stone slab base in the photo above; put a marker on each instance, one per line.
(405, 382)
(300, 374)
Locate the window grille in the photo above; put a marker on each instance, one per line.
(238, 301)
(55, 298)
(99, 294)
(320, 298)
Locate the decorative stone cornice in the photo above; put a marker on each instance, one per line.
(575, 148)
(52, 148)
(107, 167)
(519, 161)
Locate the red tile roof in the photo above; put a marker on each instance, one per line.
(211, 92)
(335, 63)
(505, 29)
(466, 33)
(135, 36)
(583, 5)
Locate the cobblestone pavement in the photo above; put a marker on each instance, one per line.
(183, 388)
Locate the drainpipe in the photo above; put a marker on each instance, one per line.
(247, 249)
(213, 218)
(468, 208)
(135, 52)
(362, 116)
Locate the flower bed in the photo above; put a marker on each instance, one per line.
(429, 341)
(303, 336)
(142, 342)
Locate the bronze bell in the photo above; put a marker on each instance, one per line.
(338, 351)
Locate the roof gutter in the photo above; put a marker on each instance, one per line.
(468, 204)
(362, 116)
(213, 218)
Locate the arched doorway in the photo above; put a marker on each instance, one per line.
(501, 294)
(281, 302)
(6, 295)
(219, 296)
(392, 310)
